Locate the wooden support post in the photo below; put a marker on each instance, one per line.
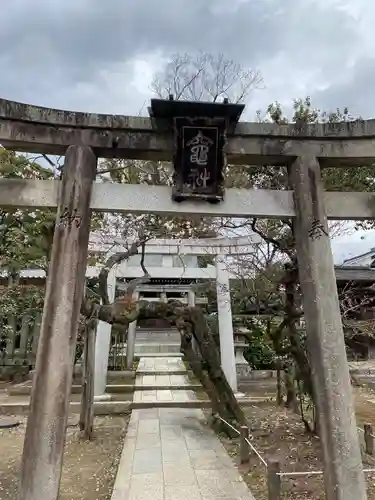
(343, 472)
(244, 447)
(35, 335)
(49, 407)
(273, 480)
(86, 419)
(24, 335)
(369, 439)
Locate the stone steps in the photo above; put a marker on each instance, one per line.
(116, 407)
(166, 371)
(100, 407)
(160, 372)
(197, 403)
(158, 336)
(25, 390)
(157, 349)
(154, 354)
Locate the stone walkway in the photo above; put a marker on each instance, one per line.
(171, 454)
(161, 364)
(167, 372)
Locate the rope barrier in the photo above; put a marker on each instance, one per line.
(372, 435)
(312, 473)
(257, 453)
(246, 440)
(309, 473)
(285, 474)
(229, 425)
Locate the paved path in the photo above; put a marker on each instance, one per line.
(171, 454)
(162, 371)
(161, 364)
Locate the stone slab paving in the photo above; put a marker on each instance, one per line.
(163, 395)
(161, 364)
(170, 453)
(168, 366)
(162, 380)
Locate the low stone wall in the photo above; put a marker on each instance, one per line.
(246, 374)
(14, 373)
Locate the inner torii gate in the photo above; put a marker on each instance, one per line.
(82, 138)
(219, 248)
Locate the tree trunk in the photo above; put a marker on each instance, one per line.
(197, 364)
(279, 395)
(291, 394)
(297, 350)
(212, 365)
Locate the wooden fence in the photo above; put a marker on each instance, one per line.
(19, 342)
(117, 352)
(19, 339)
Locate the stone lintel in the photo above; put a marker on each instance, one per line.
(140, 198)
(42, 130)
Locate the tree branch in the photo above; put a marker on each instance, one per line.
(112, 261)
(143, 279)
(269, 239)
(122, 313)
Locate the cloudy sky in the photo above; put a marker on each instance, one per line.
(100, 56)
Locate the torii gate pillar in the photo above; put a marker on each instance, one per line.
(224, 309)
(102, 346)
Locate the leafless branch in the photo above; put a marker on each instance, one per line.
(143, 279)
(205, 77)
(277, 243)
(112, 261)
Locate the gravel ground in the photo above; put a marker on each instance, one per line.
(89, 467)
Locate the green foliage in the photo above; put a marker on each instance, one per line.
(260, 353)
(334, 179)
(25, 235)
(25, 240)
(19, 299)
(263, 283)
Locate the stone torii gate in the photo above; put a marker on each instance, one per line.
(219, 249)
(82, 138)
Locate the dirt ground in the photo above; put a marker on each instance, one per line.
(279, 434)
(89, 467)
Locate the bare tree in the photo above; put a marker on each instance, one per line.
(205, 77)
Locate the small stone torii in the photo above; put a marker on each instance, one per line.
(219, 248)
(82, 138)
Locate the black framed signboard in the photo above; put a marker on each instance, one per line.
(199, 158)
(200, 131)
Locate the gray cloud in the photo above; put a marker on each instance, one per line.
(99, 56)
(82, 54)
(354, 90)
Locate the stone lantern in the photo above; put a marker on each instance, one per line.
(243, 368)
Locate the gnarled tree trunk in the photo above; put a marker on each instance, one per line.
(208, 368)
